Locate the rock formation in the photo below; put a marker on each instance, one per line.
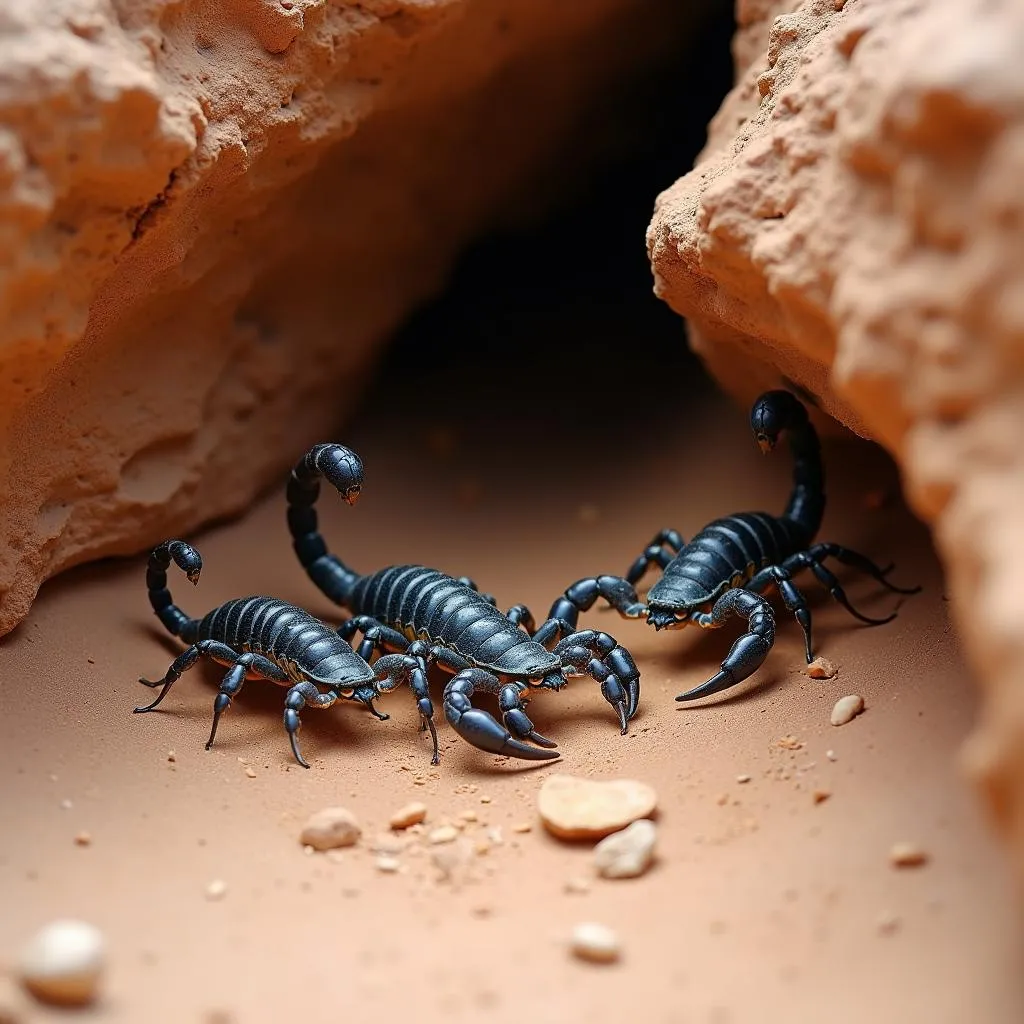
(855, 225)
(212, 213)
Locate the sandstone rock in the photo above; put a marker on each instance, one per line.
(855, 225)
(821, 668)
(331, 828)
(575, 808)
(210, 219)
(410, 814)
(628, 853)
(63, 963)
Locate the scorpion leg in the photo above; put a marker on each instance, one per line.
(182, 663)
(393, 670)
(295, 700)
(656, 554)
(855, 560)
(580, 597)
(481, 729)
(376, 637)
(520, 615)
(794, 601)
(600, 656)
(748, 653)
(804, 560)
(246, 665)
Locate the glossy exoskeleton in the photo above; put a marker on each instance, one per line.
(725, 569)
(264, 638)
(448, 622)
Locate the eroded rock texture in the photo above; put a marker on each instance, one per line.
(211, 213)
(856, 224)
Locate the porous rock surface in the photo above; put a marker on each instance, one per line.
(211, 214)
(855, 225)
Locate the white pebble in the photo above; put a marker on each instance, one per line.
(628, 853)
(595, 942)
(831, 755)
(63, 963)
(330, 828)
(847, 709)
(388, 865)
(217, 889)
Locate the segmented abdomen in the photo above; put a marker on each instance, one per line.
(425, 604)
(733, 548)
(289, 636)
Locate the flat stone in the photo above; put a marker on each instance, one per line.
(575, 808)
(330, 828)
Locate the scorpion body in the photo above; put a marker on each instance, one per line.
(725, 569)
(264, 638)
(448, 622)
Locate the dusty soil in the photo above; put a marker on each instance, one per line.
(762, 906)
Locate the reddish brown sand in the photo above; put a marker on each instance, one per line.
(763, 906)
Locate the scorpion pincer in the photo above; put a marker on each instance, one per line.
(726, 568)
(264, 638)
(448, 622)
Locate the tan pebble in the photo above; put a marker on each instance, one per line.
(847, 709)
(595, 942)
(482, 847)
(742, 779)
(907, 855)
(577, 808)
(83, 839)
(308, 850)
(217, 889)
(577, 885)
(410, 814)
(485, 799)
(494, 835)
(628, 853)
(63, 963)
(821, 668)
(522, 826)
(444, 834)
(468, 815)
(831, 755)
(388, 865)
(330, 828)
(819, 796)
(172, 756)
(250, 773)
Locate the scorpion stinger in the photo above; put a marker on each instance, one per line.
(449, 623)
(725, 569)
(263, 638)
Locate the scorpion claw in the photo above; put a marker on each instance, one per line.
(620, 707)
(484, 732)
(633, 690)
(721, 680)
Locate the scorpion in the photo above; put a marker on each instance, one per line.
(264, 638)
(725, 569)
(444, 621)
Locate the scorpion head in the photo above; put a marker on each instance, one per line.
(666, 618)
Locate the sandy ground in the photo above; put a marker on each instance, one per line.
(762, 905)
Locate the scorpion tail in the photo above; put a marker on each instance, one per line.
(776, 412)
(484, 731)
(191, 563)
(342, 468)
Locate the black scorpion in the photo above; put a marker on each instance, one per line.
(264, 638)
(725, 569)
(448, 622)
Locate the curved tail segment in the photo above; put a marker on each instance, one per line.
(777, 412)
(191, 564)
(342, 468)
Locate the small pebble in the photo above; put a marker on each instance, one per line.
(410, 814)
(217, 889)
(742, 778)
(468, 816)
(819, 796)
(578, 808)
(387, 844)
(250, 773)
(66, 805)
(330, 828)
(888, 924)
(628, 853)
(522, 827)
(485, 799)
(444, 834)
(596, 943)
(171, 756)
(577, 885)
(907, 855)
(388, 865)
(821, 668)
(847, 709)
(63, 963)
(831, 755)
(83, 839)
